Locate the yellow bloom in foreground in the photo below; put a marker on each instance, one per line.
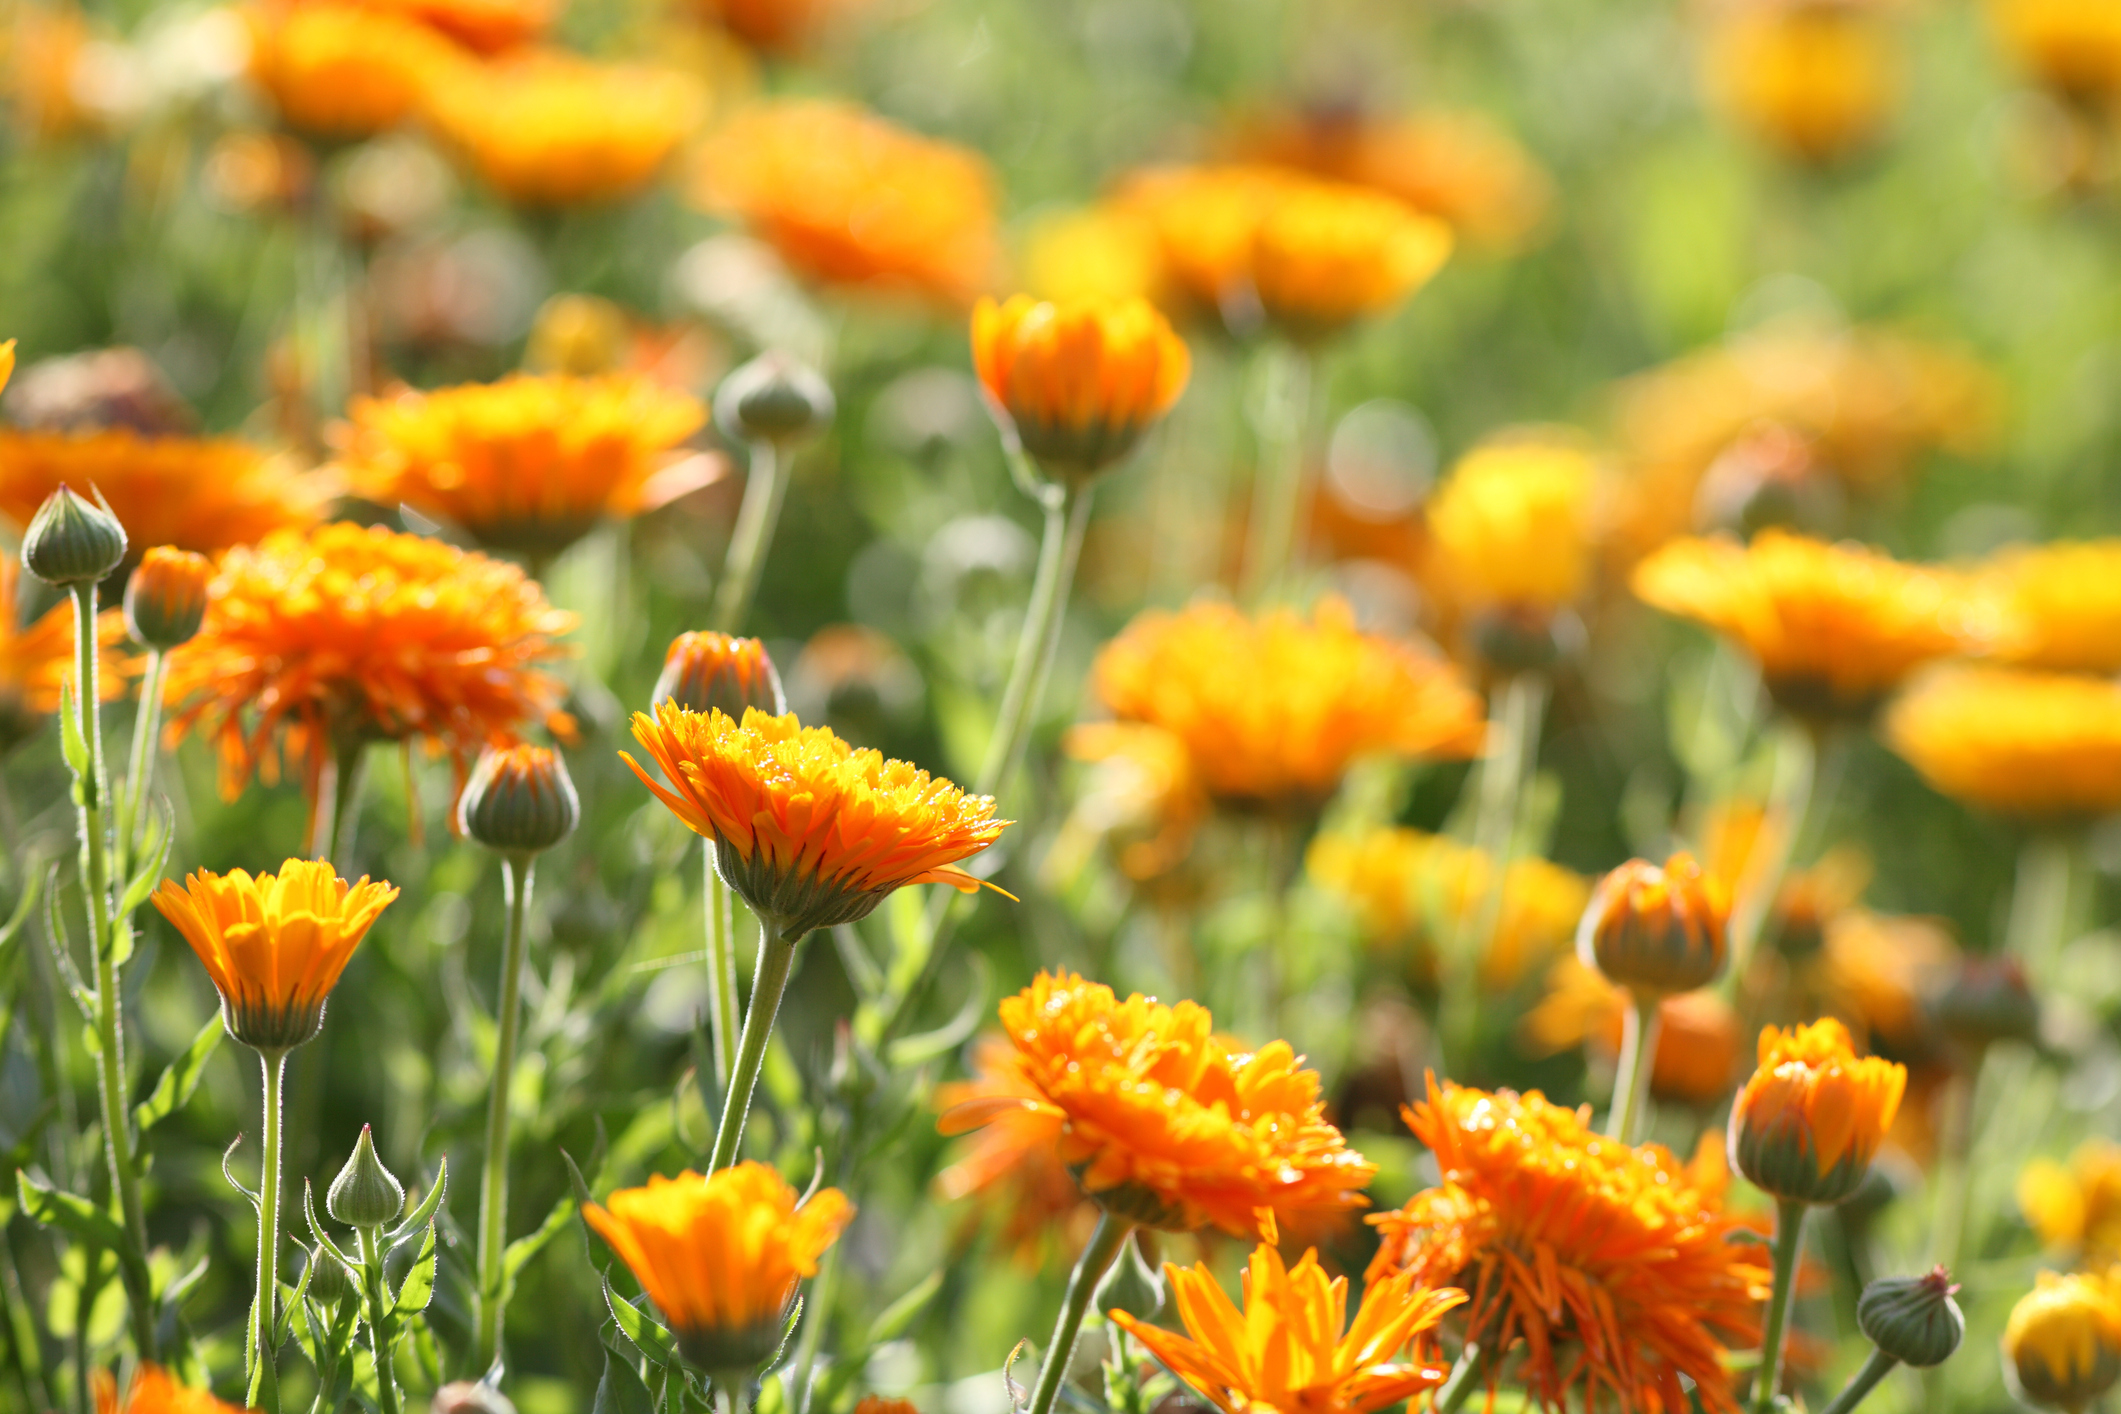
(1812, 1116)
(2043, 746)
(1285, 1351)
(1815, 78)
(155, 1391)
(528, 463)
(34, 660)
(2060, 604)
(1513, 524)
(2077, 1207)
(1079, 382)
(1834, 628)
(809, 831)
(1326, 254)
(721, 1256)
(1274, 708)
(1165, 1123)
(345, 70)
(2072, 46)
(274, 944)
(2062, 1346)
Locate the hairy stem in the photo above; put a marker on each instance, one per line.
(721, 967)
(1468, 1375)
(1105, 1242)
(776, 961)
(1060, 546)
(1789, 1244)
(382, 1326)
(765, 487)
(517, 875)
(1862, 1383)
(264, 1383)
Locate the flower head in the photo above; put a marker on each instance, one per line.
(2062, 1345)
(721, 1256)
(1809, 1121)
(1657, 931)
(36, 659)
(519, 801)
(165, 600)
(807, 830)
(707, 671)
(1286, 1350)
(1163, 1122)
(1142, 795)
(1204, 220)
(1013, 1163)
(1274, 708)
(274, 944)
(155, 1391)
(2076, 1207)
(343, 70)
(2071, 46)
(1326, 254)
(487, 26)
(2042, 746)
(1614, 1266)
(1512, 523)
(2060, 604)
(1813, 78)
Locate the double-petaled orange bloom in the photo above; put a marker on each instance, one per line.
(2039, 746)
(1809, 1121)
(346, 70)
(155, 1391)
(1286, 1350)
(274, 944)
(34, 661)
(1013, 1163)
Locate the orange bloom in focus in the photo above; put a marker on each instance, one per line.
(2061, 605)
(274, 944)
(528, 463)
(1164, 1123)
(1273, 709)
(35, 660)
(1326, 254)
(849, 199)
(342, 635)
(1285, 1351)
(2041, 746)
(1614, 1266)
(1079, 382)
(1811, 1118)
(1013, 1163)
(1814, 78)
(155, 1391)
(336, 70)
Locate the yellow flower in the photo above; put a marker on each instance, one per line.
(2061, 605)
(155, 1391)
(1099, 252)
(35, 660)
(2072, 46)
(339, 70)
(529, 463)
(274, 944)
(807, 830)
(1326, 254)
(721, 1256)
(2043, 746)
(2076, 1208)
(1205, 220)
(1286, 1351)
(1815, 78)
(2062, 1345)
(1811, 1118)
(1657, 931)
(1512, 523)
(1079, 383)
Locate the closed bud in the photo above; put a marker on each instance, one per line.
(465, 1397)
(365, 1194)
(1657, 932)
(1913, 1319)
(1132, 1285)
(165, 600)
(1808, 1123)
(2062, 1345)
(774, 398)
(1989, 1001)
(71, 540)
(329, 1283)
(519, 800)
(705, 671)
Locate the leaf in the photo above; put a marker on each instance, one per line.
(62, 947)
(420, 1215)
(72, 744)
(32, 888)
(291, 1299)
(173, 1089)
(523, 1249)
(418, 1288)
(257, 1204)
(316, 1230)
(73, 1215)
(151, 866)
(894, 1320)
(646, 1335)
(620, 1390)
(599, 1256)
(910, 1051)
(179, 1286)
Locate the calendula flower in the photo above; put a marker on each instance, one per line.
(2076, 1207)
(2071, 46)
(1834, 628)
(1657, 931)
(1813, 78)
(548, 129)
(314, 640)
(1013, 1163)
(1274, 708)
(1206, 220)
(2062, 1345)
(1142, 794)
(36, 659)
(1077, 384)
(775, 26)
(807, 830)
(1615, 1267)
(155, 1391)
(274, 944)
(340, 70)
(1326, 254)
(2060, 604)
(1698, 1040)
(487, 26)
(529, 463)
(705, 671)
(2041, 746)
(1811, 1118)
(1512, 524)
(1286, 1350)
(849, 199)
(1164, 1123)
(721, 1256)
(196, 493)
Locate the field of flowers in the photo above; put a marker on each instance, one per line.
(1002, 707)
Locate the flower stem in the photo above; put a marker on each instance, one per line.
(1059, 547)
(139, 777)
(1789, 810)
(1469, 1374)
(765, 487)
(776, 960)
(721, 966)
(517, 876)
(264, 1383)
(382, 1326)
(1282, 414)
(2040, 901)
(1789, 1244)
(1862, 1383)
(338, 804)
(1105, 1242)
(1954, 1169)
(1638, 1057)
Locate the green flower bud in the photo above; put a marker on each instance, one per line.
(1132, 1285)
(329, 1283)
(1988, 1002)
(365, 1194)
(72, 541)
(774, 398)
(1913, 1319)
(519, 801)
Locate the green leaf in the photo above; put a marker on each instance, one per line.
(620, 1390)
(894, 1320)
(151, 867)
(75, 1216)
(647, 1336)
(910, 1051)
(173, 1089)
(316, 1229)
(32, 887)
(418, 1288)
(524, 1248)
(425, 1211)
(72, 744)
(62, 947)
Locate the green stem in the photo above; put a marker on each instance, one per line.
(382, 1326)
(1789, 808)
(1278, 490)
(1789, 1243)
(339, 804)
(264, 1368)
(1469, 1374)
(139, 777)
(721, 966)
(1060, 546)
(517, 877)
(1862, 1383)
(22, 1331)
(823, 1292)
(1638, 1057)
(776, 960)
(1105, 1243)
(2040, 901)
(1954, 1170)
(765, 487)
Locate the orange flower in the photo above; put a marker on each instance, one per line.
(721, 1256)
(1812, 1116)
(34, 661)
(43, 48)
(338, 70)
(807, 830)
(165, 600)
(1613, 1266)
(1834, 628)
(1512, 523)
(274, 944)
(703, 671)
(1698, 1040)
(1814, 78)
(1205, 220)
(776, 26)
(1162, 1122)
(849, 199)
(2061, 605)
(1078, 383)
(528, 463)
(2043, 746)
(1657, 931)
(342, 634)
(1326, 254)
(2071, 46)
(2076, 1208)
(1286, 1351)
(1013, 1163)
(155, 1391)
(1273, 709)
(488, 26)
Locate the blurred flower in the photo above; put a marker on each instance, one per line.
(529, 463)
(36, 659)
(849, 199)
(1657, 931)
(580, 335)
(2061, 605)
(2041, 746)
(2071, 46)
(1286, 1349)
(155, 1391)
(1815, 78)
(487, 26)
(274, 944)
(1512, 524)
(721, 1256)
(1326, 254)
(41, 47)
(2062, 1345)
(1142, 794)
(1810, 901)
(2076, 1208)
(1273, 709)
(165, 600)
(807, 830)
(1205, 220)
(341, 70)
(1811, 1118)
(717, 671)
(1164, 1123)
(248, 172)
(548, 129)
(1013, 1163)
(1834, 628)
(1698, 1040)
(1877, 974)
(1077, 384)
(1614, 1266)
(775, 26)
(342, 634)
(1103, 251)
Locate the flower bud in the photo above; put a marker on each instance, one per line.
(774, 398)
(581, 335)
(1913, 1319)
(1132, 1285)
(365, 1194)
(165, 600)
(465, 1397)
(1810, 1120)
(1656, 931)
(519, 800)
(704, 671)
(1989, 1001)
(72, 541)
(1524, 638)
(329, 1283)
(2062, 1345)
